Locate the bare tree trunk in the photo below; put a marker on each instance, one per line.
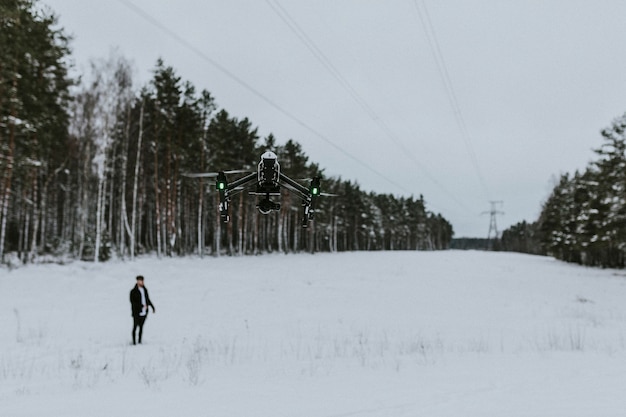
(200, 208)
(44, 216)
(181, 246)
(218, 231)
(281, 221)
(123, 220)
(99, 216)
(285, 230)
(135, 181)
(201, 202)
(25, 233)
(8, 175)
(22, 221)
(241, 225)
(206, 225)
(84, 197)
(111, 197)
(67, 208)
(255, 230)
(143, 222)
(4, 203)
(169, 233)
(296, 234)
(279, 230)
(334, 234)
(32, 251)
(311, 236)
(4, 198)
(157, 198)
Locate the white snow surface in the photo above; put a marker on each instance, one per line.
(451, 333)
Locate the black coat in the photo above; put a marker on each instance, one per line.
(135, 301)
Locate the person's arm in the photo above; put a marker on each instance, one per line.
(149, 301)
(135, 304)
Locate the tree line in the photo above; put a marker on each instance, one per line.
(584, 218)
(93, 168)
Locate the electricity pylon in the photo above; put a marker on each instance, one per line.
(493, 226)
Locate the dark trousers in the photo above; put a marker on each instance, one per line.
(138, 322)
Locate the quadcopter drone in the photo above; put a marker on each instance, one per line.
(267, 181)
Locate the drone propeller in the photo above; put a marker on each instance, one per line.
(215, 174)
(239, 171)
(200, 175)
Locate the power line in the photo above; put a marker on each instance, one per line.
(254, 91)
(293, 25)
(433, 43)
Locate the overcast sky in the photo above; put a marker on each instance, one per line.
(464, 102)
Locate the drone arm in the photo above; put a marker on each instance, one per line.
(303, 192)
(241, 185)
(234, 192)
(242, 182)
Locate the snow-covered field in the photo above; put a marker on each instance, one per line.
(354, 334)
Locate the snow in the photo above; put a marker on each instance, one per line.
(396, 334)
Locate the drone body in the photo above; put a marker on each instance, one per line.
(266, 183)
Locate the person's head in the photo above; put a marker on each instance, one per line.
(140, 280)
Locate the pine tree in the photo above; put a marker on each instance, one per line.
(609, 174)
(34, 86)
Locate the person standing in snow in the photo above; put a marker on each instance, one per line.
(139, 301)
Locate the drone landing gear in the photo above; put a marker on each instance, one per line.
(224, 212)
(309, 214)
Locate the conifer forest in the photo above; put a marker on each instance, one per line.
(584, 218)
(91, 167)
